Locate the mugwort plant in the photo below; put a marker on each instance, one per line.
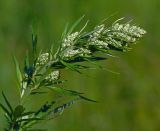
(42, 72)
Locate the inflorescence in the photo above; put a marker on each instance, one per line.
(116, 37)
(44, 71)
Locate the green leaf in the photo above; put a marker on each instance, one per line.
(59, 110)
(7, 102)
(64, 91)
(18, 72)
(27, 61)
(84, 27)
(44, 109)
(34, 44)
(70, 66)
(74, 25)
(70, 93)
(87, 99)
(29, 120)
(27, 113)
(65, 32)
(100, 67)
(92, 62)
(51, 52)
(37, 92)
(5, 110)
(64, 106)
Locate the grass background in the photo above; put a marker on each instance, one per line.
(127, 102)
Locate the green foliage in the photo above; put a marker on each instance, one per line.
(44, 72)
(18, 72)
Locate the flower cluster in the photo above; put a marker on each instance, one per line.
(118, 35)
(113, 42)
(97, 33)
(53, 76)
(132, 31)
(44, 71)
(99, 43)
(42, 59)
(125, 32)
(70, 50)
(69, 40)
(95, 38)
(71, 53)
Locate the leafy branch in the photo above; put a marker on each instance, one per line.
(42, 72)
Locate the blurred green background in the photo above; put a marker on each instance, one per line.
(127, 102)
